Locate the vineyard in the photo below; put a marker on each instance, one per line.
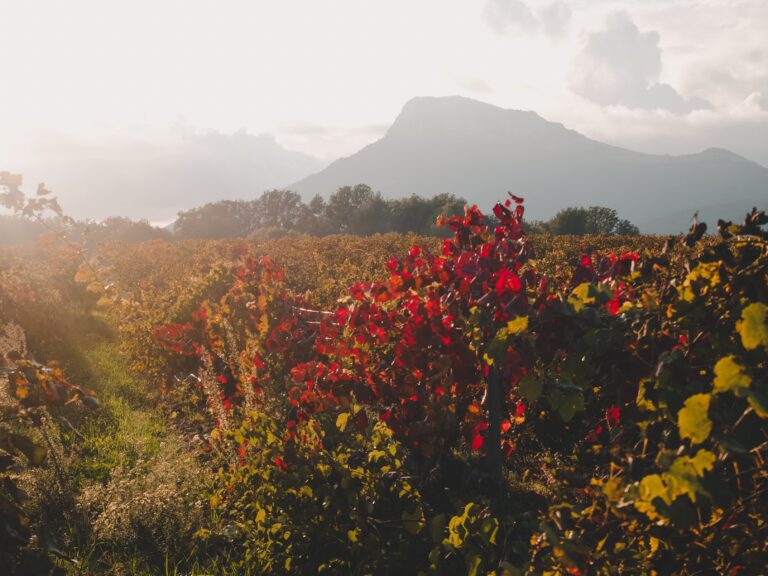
(484, 403)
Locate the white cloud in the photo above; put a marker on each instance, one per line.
(475, 85)
(504, 16)
(621, 65)
(555, 17)
(741, 128)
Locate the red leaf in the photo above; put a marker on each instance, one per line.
(613, 416)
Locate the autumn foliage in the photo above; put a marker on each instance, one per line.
(491, 403)
(637, 381)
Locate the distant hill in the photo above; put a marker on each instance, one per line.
(468, 148)
(155, 179)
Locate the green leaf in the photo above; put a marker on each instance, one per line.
(413, 521)
(531, 388)
(753, 326)
(567, 399)
(693, 418)
(437, 528)
(759, 402)
(497, 348)
(729, 375)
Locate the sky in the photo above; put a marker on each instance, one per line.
(87, 84)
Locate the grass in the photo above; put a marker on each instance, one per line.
(133, 493)
(127, 427)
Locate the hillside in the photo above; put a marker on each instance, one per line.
(464, 147)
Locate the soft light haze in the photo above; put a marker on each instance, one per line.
(145, 84)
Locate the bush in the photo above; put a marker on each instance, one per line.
(325, 496)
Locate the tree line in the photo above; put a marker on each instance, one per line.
(357, 210)
(361, 211)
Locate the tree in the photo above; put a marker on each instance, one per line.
(411, 214)
(592, 220)
(277, 209)
(568, 221)
(626, 228)
(601, 220)
(224, 219)
(357, 210)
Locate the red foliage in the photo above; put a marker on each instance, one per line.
(417, 346)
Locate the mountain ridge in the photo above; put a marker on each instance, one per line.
(479, 151)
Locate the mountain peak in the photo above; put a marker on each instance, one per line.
(438, 115)
(445, 103)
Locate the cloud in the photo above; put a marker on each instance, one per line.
(502, 15)
(328, 143)
(621, 66)
(305, 129)
(741, 128)
(475, 85)
(554, 18)
(755, 87)
(505, 16)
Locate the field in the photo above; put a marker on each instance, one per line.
(487, 403)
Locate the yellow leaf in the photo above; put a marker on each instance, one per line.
(693, 419)
(652, 487)
(341, 421)
(729, 375)
(753, 326)
(261, 515)
(613, 489)
(306, 491)
(264, 324)
(517, 325)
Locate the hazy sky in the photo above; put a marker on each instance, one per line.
(328, 76)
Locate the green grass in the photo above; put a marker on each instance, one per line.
(127, 427)
(121, 449)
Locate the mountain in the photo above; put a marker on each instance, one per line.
(154, 177)
(479, 151)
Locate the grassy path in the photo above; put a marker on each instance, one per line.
(134, 491)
